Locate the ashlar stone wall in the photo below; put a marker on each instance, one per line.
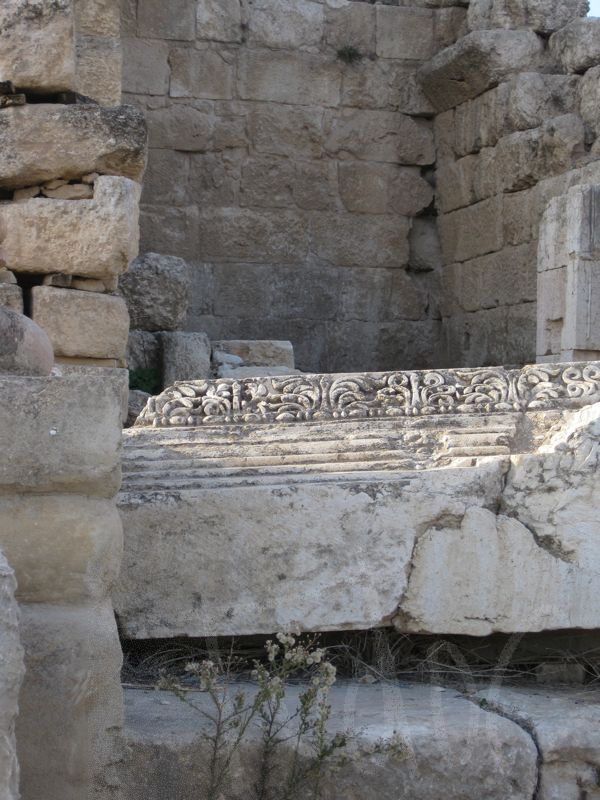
(291, 164)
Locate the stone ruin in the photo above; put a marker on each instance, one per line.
(352, 214)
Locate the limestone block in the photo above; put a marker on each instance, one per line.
(37, 45)
(541, 16)
(551, 303)
(61, 434)
(24, 347)
(219, 20)
(552, 245)
(279, 24)
(71, 686)
(143, 351)
(82, 324)
(98, 18)
(365, 240)
(185, 356)
(425, 251)
(405, 32)
(371, 188)
(565, 726)
(175, 230)
(282, 77)
(472, 231)
(468, 180)
(99, 69)
(379, 136)
(11, 296)
(63, 548)
(173, 20)
(581, 329)
(454, 748)
(255, 353)
(535, 97)
(89, 238)
(11, 676)
(181, 127)
(350, 25)
(478, 62)
(201, 73)
(577, 45)
(156, 289)
(286, 130)
(145, 66)
(92, 139)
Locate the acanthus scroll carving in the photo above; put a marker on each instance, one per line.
(305, 398)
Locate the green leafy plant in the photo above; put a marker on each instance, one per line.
(349, 54)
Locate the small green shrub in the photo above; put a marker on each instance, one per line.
(146, 380)
(349, 54)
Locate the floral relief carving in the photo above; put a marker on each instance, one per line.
(302, 398)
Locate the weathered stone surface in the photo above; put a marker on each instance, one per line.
(201, 73)
(577, 45)
(566, 725)
(255, 353)
(185, 356)
(25, 348)
(279, 76)
(472, 231)
(63, 548)
(425, 250)
(11, 296)
(454, 748)
(371, 188)
(92, 138)
(11, 676)
(539, 15)
(82, 324)
(157, 20)
(406, 33)
(143, 351)
(37, 44)
(99, 69)
(219, 20)
(61, 434)
(89, 238)
(281, 25)
(71, 700)
(477, 62)
(228, 371)
(589, 98)
(156, 288)
(98, 17)
(145, 66)
(136, 404)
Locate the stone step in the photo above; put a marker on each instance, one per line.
(498, 743)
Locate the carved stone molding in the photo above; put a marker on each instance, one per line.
(303, 398)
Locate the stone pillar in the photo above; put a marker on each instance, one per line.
(568, 316)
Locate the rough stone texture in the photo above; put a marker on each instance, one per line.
(143, 351)
(254, 353)
(454, 749)
(136, 404)
(577, 45)
(37, 44)
(156, 290)
(477, 62)
(565, 724)
(11, 676)
(99, 69)
(82, 324)
(92, 139)
(12, 297)
(25, 348)
(61, 434)
(92, 238)
(539, 15)
(185, 356)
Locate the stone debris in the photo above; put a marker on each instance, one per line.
(8, 100)
(70, 191)
(26, 194)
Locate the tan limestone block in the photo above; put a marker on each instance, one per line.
(405, 33)
(25, 348)
(70, 191)
(37, 47)
(382, 188)
(98, 17)
(281, 77)
(219, 20)
(99, 69)
(11, 296)
(89, 238)
(82, 324)
(279, 24)
(145, 66)
(201, 73)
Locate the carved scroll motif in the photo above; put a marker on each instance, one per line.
(303, 398)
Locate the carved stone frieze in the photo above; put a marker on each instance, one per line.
(304, 398)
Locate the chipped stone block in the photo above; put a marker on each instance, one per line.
(11, 677)
(253, 353)
(405, 32)
(99, 69)
(156, 290)
(61, 434)
(577, 45)
(37, 46)
(92, 139)
(89, 238)
(542, 16)
(185, 356)
(74, 557)
(219, 20)
(82, 324)
(11, 296)
(478, 62)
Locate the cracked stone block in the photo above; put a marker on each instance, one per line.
(89, 238)
(37, 44)
(41, 142)
(477, 62)
(453, 748)
(11, 677)
(82, 324)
